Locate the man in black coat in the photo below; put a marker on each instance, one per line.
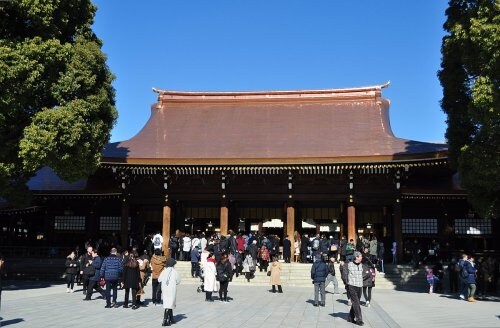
(287, 249)
(304, 244)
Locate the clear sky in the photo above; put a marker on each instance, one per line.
(238, 45)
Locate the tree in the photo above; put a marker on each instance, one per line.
(56, 98)
(470, 73)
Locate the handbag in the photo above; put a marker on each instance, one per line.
(268, 273)
(333, 248)
(102, 282)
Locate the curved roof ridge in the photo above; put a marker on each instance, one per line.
(367, 92)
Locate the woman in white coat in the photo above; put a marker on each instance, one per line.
(169, 279)
(210, 283)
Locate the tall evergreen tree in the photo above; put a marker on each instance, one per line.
(470, 76)
(56, 98)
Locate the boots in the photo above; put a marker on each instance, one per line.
(274, 289)
(166, 322)
(171, 316)
(279, 289)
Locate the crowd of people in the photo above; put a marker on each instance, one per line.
(216, 259)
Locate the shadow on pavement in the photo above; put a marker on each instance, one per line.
(16, 285)
(11, 322)
(179, 317)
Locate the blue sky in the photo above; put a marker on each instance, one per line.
(238, 45)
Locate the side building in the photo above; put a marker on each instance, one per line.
(279, 162)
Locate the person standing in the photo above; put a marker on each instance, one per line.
(210, 282)
(276, 275)
(355, 282)
(224, 275)
(158, 263)
(368, 282)
(131, 279)
(394, 252)
(304, 248)
(287, 249)
(86, 269)
(157, 241)
(169, 279)
(2, 273)
(319, 271)
(186, 247)
(71, 269)
(111, 270)
(331, 275)
(470, 278)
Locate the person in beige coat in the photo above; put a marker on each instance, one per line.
(276, 275)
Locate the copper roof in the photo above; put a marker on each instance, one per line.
(274, 127)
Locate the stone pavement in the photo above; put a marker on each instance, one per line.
(47, 305)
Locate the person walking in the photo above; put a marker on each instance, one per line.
(111, 270)
(276, 275)
(248, 267)
(131, 279)
(224, 275)
(169, 279)
(210, 282)
(368, 282)
(319, 271)
(94, 279)
(158, 263)
(355, 282)
(331, 275)
(71, 270)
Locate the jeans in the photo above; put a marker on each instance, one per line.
(367, 293)
(111, 285)
(471, 290)
(156, 291)
(70, 279)
(319, 288)
(332, 278)
(134, 293)
(355, 312)
(223, 290)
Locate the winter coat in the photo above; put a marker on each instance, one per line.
(111, 268)
(373, 247)
(319, 271)
(368, 279)
(287, 246)
(131, 277)
(224, 271)
(169, 279)
(97, 264)
(275, 273)
(324, 246)
(471, 270)
(304, 243)
(248, 264)
(210, 282)
(157, 265)
(72, 265)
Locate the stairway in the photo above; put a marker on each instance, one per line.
(292, 274)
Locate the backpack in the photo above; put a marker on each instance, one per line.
(157, 242)
(315, 244)
(173, 243)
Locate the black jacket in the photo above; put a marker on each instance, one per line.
(319, 271)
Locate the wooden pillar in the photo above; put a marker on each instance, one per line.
(224, 216)
(124, 223)
(290, 225)
(165, 231)
(351, 223)
(397, 228)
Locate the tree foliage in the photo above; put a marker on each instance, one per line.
(470, 73)
(56, 98)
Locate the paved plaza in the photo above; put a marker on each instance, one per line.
(47, 305)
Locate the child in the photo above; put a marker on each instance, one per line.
(431, 279)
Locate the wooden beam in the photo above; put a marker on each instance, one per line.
(166, 219)
(224, 215)
(290, 225)
(351, 223)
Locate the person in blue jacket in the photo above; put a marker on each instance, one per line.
(319, 271)
(111, 271)
(469, 275)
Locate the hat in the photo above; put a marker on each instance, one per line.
(170, 262)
